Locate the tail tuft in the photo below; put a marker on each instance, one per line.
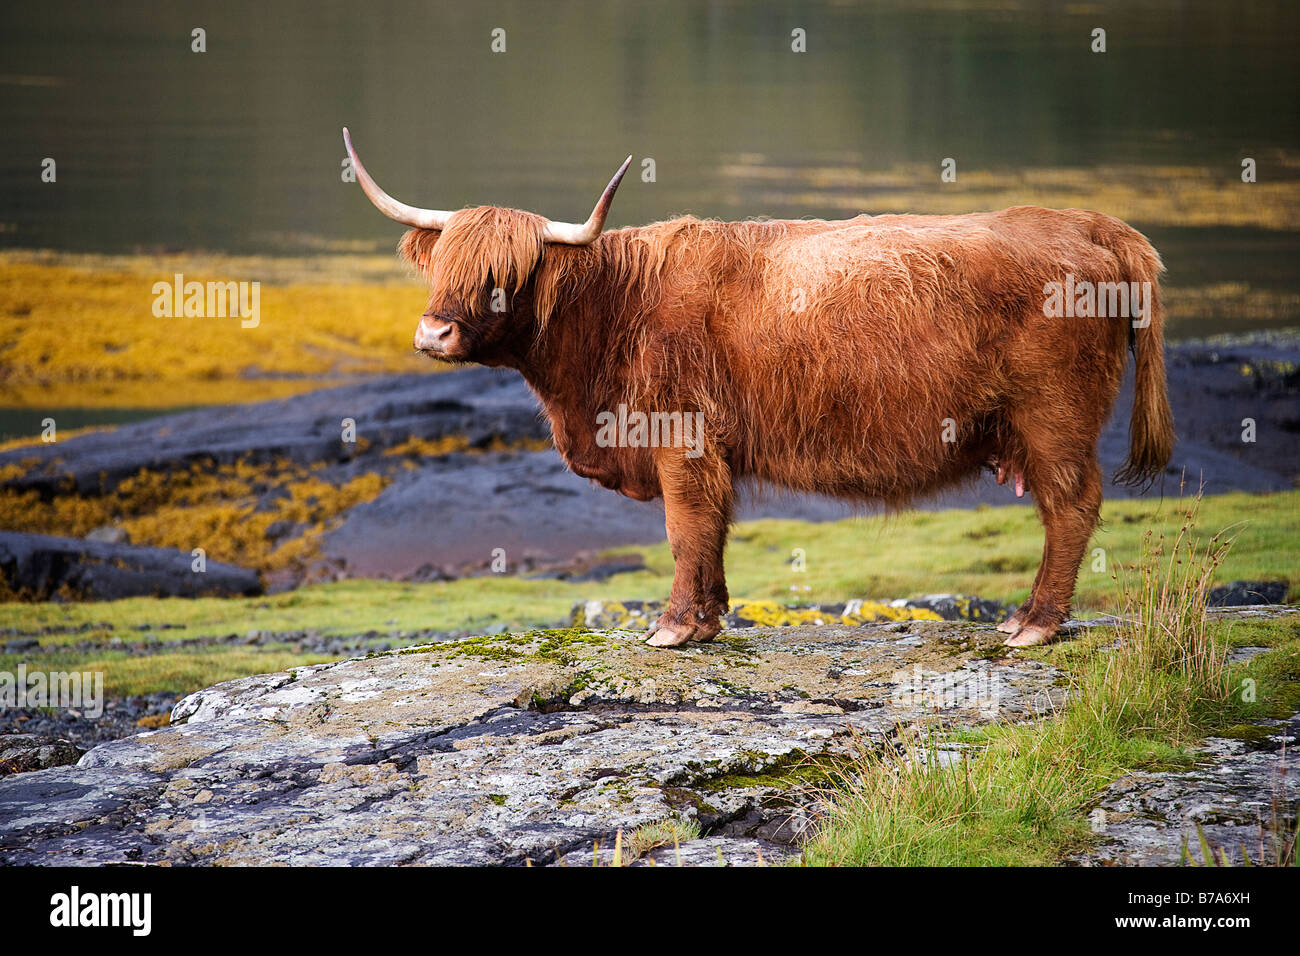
(1151, 429)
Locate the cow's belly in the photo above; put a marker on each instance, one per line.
(868, 430)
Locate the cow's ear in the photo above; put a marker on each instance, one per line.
(417, 246)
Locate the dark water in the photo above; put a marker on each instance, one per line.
(25, 422)
(238, 148)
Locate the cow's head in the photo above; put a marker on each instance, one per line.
(480, 264)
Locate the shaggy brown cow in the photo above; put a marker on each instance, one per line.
(878, 358)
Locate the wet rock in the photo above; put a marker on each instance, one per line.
(121, 717)
(589, 567)
(279, 529)
(42, 567)
(1245, 593)
(21, 753)
(497, 750)
(477, 403)
(415, 519)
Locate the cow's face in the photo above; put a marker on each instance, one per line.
(480, 264)
(480, 270)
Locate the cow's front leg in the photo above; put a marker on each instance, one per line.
(697, 508)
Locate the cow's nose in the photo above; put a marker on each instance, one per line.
(432, 334)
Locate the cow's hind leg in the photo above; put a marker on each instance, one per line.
(1069, 510)
(697, 511)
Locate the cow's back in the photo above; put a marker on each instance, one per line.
(843, 353)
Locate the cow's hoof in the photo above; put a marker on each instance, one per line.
(1011, 625)
(675, 635)
(1031, 635)
(670, 636)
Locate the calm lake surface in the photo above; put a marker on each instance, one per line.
(238, 148)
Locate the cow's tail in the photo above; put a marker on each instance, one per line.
(1151, 429)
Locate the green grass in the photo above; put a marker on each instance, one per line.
(182, 670)
(1140, 696)
(991, 552)
(1023, 799)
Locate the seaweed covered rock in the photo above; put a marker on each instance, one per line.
(934, 607)
(473, 404)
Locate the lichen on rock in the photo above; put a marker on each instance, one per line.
(517, 747)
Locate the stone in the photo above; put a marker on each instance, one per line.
(513, 748)
(21, 753)
(42, 567)
(1246, 593)
(705, 851)
(1242, 797)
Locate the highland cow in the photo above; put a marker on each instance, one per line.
(878, 358)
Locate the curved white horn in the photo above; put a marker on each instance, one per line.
(390, 207)
(573, 234)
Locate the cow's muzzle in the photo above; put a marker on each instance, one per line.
(436, 336)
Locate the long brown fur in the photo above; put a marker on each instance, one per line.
(910, 325)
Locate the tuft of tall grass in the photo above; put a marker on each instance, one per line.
(1020, 796)
(1167, 652)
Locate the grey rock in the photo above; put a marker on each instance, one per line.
(1240, 795)
(1247, 593)
(22, 753)
(499, 750)
(705, 851)
(416, 518)
(41, 567)
(304, 429)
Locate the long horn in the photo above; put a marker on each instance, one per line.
(573, 234)
(390, 207)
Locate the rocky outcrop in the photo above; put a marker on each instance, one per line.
(1248, 593)
(513, 748)
(476, 404)
(1241, 799)
(41, 567)
(23, 753)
